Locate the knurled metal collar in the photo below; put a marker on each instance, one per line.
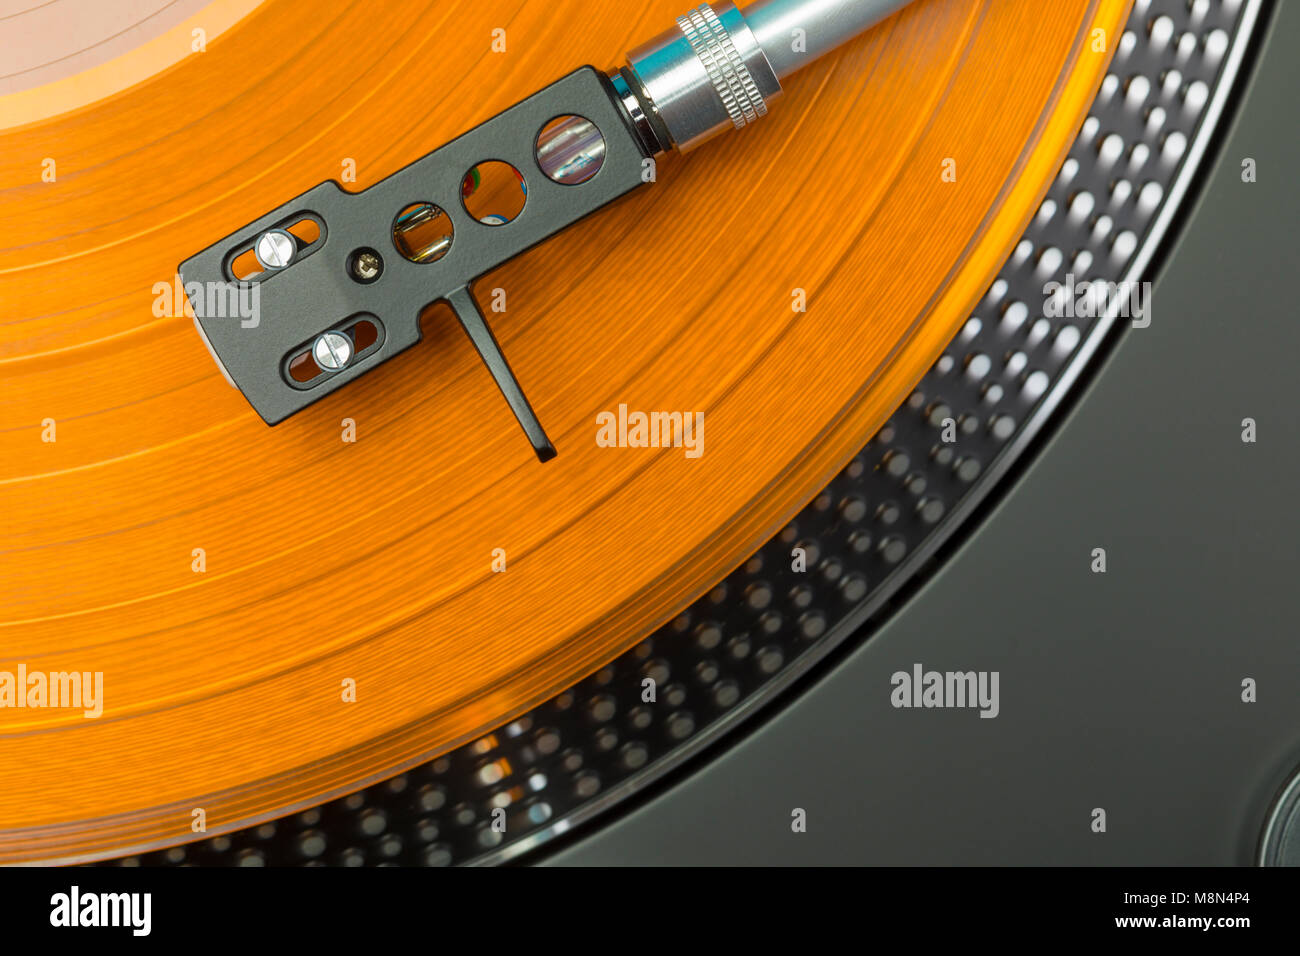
(708, 75)
(715, 50)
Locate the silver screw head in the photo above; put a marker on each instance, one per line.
(275, 249)
(367, 265)
(333, 350)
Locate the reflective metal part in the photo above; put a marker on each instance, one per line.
(719, 69)
(819, 25)
(570, 149)
(654, 140)
(366, 265)
(423, 233)
(333, 350)
(275, 249)
(706, 76)
(1280, 845)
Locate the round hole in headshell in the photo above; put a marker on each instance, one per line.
(570, 149)
(423, 232)
(494, 192)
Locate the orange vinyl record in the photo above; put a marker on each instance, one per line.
(281, 615)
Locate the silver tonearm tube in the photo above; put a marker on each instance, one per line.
(721, 67)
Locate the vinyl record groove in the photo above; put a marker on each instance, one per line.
(228, 579)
